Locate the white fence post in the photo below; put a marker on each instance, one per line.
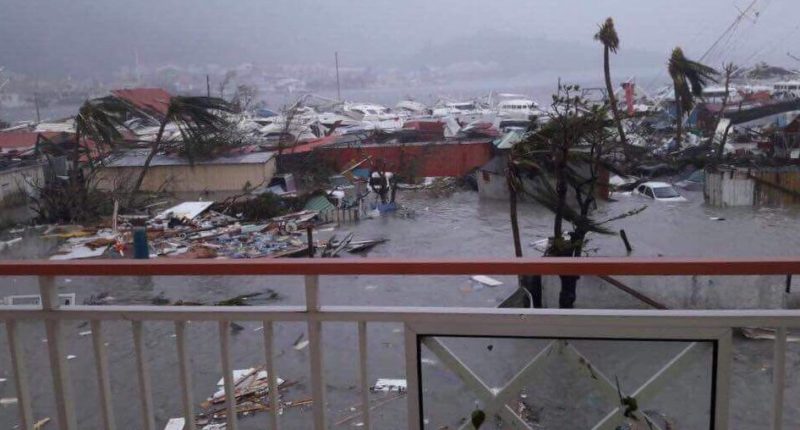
(778, 378)
(227, 375)
(20, 376)
(185, 376)
(103, 378)
(269, 355)
(143, 370)
(315, 350)
(362, 373)
(58, 364)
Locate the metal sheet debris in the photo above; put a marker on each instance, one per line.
(485, 280)
(185, 211)
(385, 384)
(175, 424)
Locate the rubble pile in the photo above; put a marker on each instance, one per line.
(192, 230)
(251, 389)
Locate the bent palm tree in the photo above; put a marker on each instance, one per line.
(198, 119)
(98, 127)
(688, 79)
(99, 121)
(607, 35)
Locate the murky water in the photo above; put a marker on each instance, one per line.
(458, 225)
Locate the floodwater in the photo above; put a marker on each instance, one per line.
(455, 225)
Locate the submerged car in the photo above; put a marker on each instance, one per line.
(660, 191)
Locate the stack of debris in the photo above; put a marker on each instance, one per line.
(251, 389)
(192, 230)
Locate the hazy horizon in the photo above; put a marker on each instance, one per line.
(82, 38)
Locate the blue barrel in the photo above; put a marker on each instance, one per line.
(140, 248)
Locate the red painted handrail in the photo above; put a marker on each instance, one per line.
(401, 266)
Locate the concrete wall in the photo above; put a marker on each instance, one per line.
(188, 179)
(772, 187)
(729, 188)
(16, 183)
(419, 160)
(492, 186)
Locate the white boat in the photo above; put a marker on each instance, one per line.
(411, 108)
(381, 117)
(786, 90)
(464, 112)
(717, 94)
(517, 106)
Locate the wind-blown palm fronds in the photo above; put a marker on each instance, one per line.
(607, 35)
(200, 120)
(101, 122)
(688, 78)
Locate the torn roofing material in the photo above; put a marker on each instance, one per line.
(137, 157)
(185, 210)
(152, 101)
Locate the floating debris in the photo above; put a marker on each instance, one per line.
(41, 423)
(9, 243)
(175, 424)
(384, 384)
(301, 345)
(251, 390)
(485, 280)
(758, 333)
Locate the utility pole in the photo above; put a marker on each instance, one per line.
(338, 87)
(208, 86)
(731, 28)
(36, 103)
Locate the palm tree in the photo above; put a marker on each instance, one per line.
(688, 79)
(98, 128)
(607, 35)
(199, 120)
(550, 158)
(99, 121)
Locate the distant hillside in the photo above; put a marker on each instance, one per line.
(515, 53)
(764, 71)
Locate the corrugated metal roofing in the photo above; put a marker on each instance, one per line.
(137, 157)
(319, 204)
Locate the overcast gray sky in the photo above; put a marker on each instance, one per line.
(82, 37)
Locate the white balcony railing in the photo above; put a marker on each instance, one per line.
(707, 332)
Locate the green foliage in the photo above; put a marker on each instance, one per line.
(689, 78)
(565, 153)
(607, 35)
(63, 201)
(98, 128)
(202, 123)
(259, 208)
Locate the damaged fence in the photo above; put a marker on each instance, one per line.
(259, 388)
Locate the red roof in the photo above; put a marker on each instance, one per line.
(311, 145)
(153, 101)
(23, 140)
